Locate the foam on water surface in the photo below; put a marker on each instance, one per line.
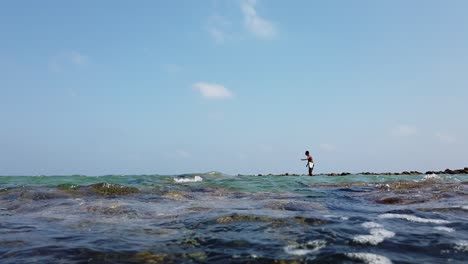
(194, 179)
(309, 247)
(369, 258)
(377, 235)
(444, 228)
(461, 246)
(413, 218)
(371, 225)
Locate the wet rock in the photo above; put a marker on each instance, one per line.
(152, 258)
(310, 221)
(113, 189)
(175, 195)
(112, 210)
(243, 218)
(449, 171)
(390, 200)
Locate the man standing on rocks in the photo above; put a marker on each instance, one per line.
(310, 162)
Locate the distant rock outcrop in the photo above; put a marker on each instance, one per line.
(446, 171)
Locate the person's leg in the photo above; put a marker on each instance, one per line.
(310, 171)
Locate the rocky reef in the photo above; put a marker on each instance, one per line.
(446, 171)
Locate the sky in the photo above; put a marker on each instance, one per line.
(236, 86)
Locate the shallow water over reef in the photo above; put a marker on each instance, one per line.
(216, 218)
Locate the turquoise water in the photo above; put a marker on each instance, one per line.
(217, 218)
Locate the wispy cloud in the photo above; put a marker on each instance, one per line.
(76, 58)
(446, 137)
(213, 90)
(257, 25)
(218, 28)
(404, 130)
(67, 59)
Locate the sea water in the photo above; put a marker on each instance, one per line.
(217, 218)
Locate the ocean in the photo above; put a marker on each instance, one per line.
(218, 218)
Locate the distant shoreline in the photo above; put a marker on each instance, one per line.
(446, 171)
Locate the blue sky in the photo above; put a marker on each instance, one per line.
(238, 86)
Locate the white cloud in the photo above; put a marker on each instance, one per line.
(213, 90)
(445, 137)
(327, 147)
(404, 130)
(259, 26)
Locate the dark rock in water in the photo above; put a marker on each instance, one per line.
(310, 221)
(234, 218)
(390, 200)
(345, 173)
(449, 171)
(105, 188)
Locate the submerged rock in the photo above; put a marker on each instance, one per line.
(390, 200)
(68, 186)
(243, 218)
(153, 258)
(41, 195)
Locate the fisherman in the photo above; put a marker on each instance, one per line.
(310, 162)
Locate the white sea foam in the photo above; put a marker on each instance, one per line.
(444, 228)
(194, 179)
(377, 235)
(300, 250)
(432, 176)
(461, 245)
(344, 218)
(294, 250)
(369, 258)
(317, 244)
(464, 207)
(371, 225)
(413, 218)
